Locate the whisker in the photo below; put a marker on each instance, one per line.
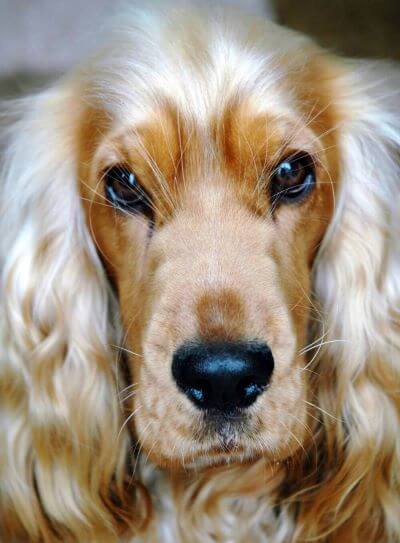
(124, 349)
(127, 420)
(310, 348)
(322, 411)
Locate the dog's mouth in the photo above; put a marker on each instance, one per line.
(219, 456)
(227, 445)
(222, 438)
(227, 429)
(215, 439)
(229, 449)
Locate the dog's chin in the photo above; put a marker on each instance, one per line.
(205, 458)
(214, 440)
(222, 457)
(225, 448)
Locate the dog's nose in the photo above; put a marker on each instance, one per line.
(223, 376)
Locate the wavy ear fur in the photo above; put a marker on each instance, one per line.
(358, 283)
(62, 454)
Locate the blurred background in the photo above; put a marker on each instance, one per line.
(42, 38)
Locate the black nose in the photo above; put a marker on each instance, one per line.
(223, 376)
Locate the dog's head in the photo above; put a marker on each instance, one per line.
(194, 200)
(208, 209)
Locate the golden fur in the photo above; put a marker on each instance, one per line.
(97, 443)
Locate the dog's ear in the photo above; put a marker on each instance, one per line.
(63, 455)
(357, 279)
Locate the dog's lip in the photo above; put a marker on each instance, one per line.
(229, 449)
(215, 415)
(206, 457)
(215, 457)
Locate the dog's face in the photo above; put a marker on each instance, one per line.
(208, 221)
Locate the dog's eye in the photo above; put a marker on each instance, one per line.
(293, 179)
(124, 191)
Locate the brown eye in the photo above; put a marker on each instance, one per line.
(124, 192)
(293, 179)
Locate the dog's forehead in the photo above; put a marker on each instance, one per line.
(237, 139)
(181, 90)
(198, 61)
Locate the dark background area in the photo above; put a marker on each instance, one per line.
(362, 28)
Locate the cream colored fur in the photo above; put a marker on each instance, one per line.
(64, 443)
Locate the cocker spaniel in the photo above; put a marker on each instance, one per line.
(200, 291)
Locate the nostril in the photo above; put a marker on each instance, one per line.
(198, 392)
(248, 389)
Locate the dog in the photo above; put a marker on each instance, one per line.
(200, 291)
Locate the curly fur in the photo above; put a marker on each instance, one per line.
(66, 468)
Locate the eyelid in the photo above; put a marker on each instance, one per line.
(289, 156)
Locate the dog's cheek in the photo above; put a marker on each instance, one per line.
(283, 416)
(160, 423)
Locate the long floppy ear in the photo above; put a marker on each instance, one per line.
(358, 284)
(62, 455)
